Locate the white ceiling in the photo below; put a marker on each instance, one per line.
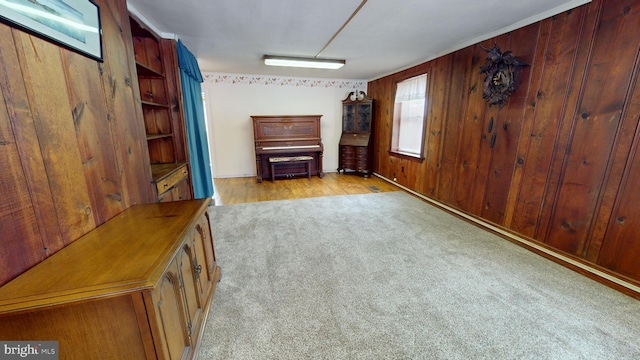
(232, 36)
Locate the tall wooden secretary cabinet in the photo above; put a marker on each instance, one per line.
(356, 142)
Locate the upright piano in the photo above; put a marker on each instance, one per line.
(287, 136)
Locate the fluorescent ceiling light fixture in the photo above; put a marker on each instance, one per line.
(313, 63)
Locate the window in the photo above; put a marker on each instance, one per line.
(407, 137)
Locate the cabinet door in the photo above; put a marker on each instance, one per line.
(204, 227)
(166, 197)
(364, 117)
(173, 340)
(188, 268)
(182, 190)
(203, 248)
(202, 283)
(348, 118)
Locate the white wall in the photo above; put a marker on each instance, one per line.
(231, 99)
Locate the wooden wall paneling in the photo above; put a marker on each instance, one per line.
(18, 215)
(93, 134)
(485, 114)
(392, 162)
(617, 186)
(469, 149)
(523, 44)
(614, 239)
(619, 248)
(529, 108)
(384, 123)
(545, 111)
(407, 172)
(403, 169)
(371, 89)
(618, 164)
(596, 124)
(398, 165)
(52, 115)
(125, 115)
(72, 126)
(566, 172)
(453, 123)
(389, 162)
(485, 152)
(374, 111)
(577, 75)
(379, 90)
(416, 171)
(439, 86)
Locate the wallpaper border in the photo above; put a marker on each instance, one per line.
(247, 79)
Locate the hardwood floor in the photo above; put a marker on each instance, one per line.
(243, 190)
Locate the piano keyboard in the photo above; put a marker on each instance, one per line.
(290, 147)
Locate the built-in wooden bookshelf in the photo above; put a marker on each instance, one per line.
(161, 101)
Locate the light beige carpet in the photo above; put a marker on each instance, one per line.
(387, 276)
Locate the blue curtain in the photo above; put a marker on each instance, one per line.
(196, 130)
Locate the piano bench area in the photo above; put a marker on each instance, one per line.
(291, 160)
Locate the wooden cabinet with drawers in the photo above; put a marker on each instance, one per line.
(354, 153)
(172, 183)
(356, 142)
(138, 287)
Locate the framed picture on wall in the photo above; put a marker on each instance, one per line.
(74, 24)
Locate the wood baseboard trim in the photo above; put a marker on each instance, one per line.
(594, 273)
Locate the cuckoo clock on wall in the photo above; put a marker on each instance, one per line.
(501, 75)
